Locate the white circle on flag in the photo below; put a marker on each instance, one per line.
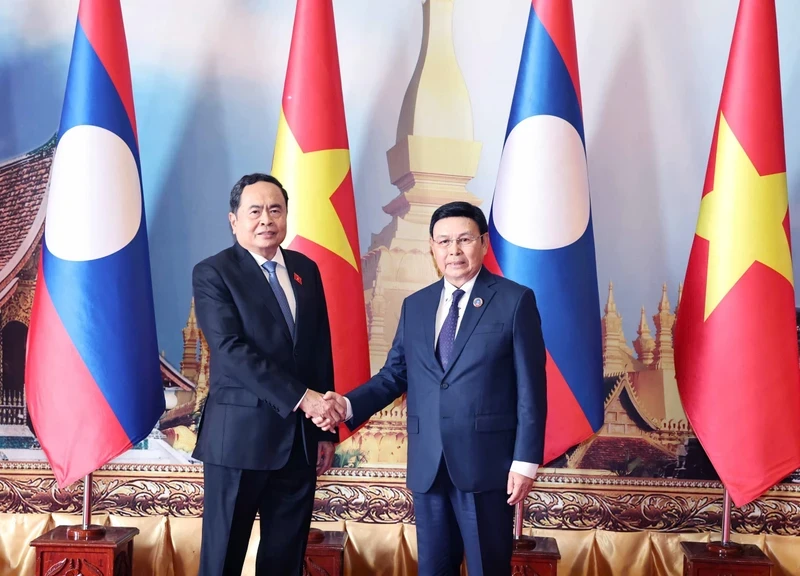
(541, 198)
(94, 203)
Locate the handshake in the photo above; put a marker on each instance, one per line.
(325, 411)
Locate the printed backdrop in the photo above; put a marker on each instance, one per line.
(208, 80)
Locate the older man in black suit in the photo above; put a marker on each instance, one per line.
(262, 310)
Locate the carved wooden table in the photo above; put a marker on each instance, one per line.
(539, 560)
(111, 555)
(698, 560)
(325, 557)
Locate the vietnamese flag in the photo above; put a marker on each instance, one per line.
(736, 350)
(312, 161)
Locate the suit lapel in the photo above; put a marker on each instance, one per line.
(299, 293)
(429, 308)
(472, 314)
(254, 276)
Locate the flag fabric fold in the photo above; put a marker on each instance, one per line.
(312, 161)
(540, 226)
(736, 352)
(93, 383)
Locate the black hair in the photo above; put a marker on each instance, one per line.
(460, 210)
(247, 180)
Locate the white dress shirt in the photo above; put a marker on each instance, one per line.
(525, 468)
(283, 279)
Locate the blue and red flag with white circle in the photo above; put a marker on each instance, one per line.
(93, 383)
(540, 226)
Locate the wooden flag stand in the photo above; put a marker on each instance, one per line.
(533, 554)
(87, 549)
(721, 557)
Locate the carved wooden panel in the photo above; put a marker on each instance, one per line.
(75, 567)
(379, 496)
(311, 568)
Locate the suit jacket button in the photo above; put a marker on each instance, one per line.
(445, 385)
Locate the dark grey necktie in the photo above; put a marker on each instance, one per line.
(280, 295)
(447, 335)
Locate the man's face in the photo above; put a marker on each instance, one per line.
(260, 221)
(458, 249)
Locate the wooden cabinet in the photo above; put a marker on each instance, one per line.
(325, 557)
(535, 556)
(698, 560)
(110, 555)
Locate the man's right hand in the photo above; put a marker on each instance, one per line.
(318, 407)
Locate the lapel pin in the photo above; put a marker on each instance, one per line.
(298, 279)
(478, 302)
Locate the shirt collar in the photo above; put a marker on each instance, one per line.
(467, 288)
(278, 258)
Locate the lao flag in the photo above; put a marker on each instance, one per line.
(540, 226)
(92, 377)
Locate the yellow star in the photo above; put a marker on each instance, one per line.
(311, 179)
(742, 218)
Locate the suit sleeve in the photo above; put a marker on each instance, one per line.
(232, 354)
(529, 363)
(324, 351)
(388, 384)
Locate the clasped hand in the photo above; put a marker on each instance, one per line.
(325, 411)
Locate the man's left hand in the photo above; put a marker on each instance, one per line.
(518, 487)
(324, 457)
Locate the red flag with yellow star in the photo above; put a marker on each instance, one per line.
(736, 350)
(312, 161)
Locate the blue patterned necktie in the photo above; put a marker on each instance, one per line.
(447, 335)
(280, 295)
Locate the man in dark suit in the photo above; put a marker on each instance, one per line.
(469, 352)
(262, 310)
